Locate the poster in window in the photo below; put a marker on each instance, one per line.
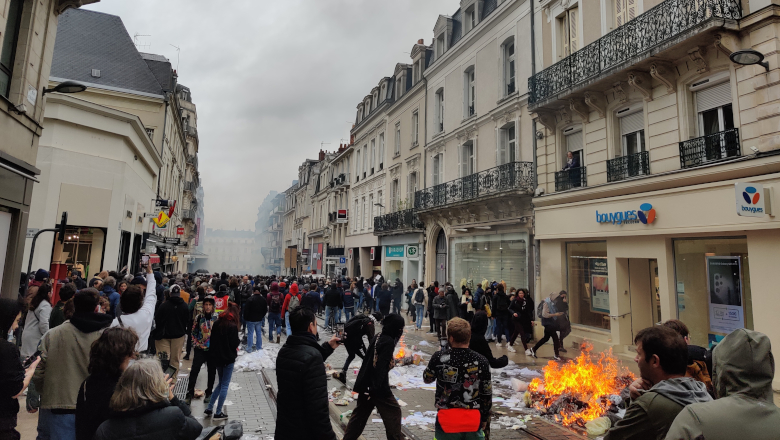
(724, 284)
(599, 287)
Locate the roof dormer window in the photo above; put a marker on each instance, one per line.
(399, 86)
(440, 46)
(470, 18)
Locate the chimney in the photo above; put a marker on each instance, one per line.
(420, 41)
(322, 154)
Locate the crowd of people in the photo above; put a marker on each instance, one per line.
(100, 362)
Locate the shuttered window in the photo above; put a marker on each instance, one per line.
(574, 141)
(632, 123)
(713, 97)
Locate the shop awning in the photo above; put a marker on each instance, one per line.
(154, 259)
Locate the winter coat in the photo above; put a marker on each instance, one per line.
(92, 405)
(255, 308)
(172, 319)
(303, 390)
(224, 342)
(156, 421)
(384, 297)
(398, 290)
(293, 294)
(373, 375)
(348, 299)
(35, 326)
(333, 297)
(524, 308)
(12, 379)
(650, 416)
(548, 310)
(440, 307)
(479, 344)
(65, 357)
(141, 320)
(500, 306)
(113, 299)
(745, 409)
(312, 301)
(453, 304)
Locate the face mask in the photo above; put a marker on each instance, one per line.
(10, 335)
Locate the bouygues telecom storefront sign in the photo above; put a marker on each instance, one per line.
(645, 215)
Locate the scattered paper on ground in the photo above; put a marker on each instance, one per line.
(420, 419)
(409, 376)
(258, 360)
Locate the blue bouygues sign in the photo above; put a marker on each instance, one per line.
(645, 214)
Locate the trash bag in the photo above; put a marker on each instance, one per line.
(233, 430)
(211, 433)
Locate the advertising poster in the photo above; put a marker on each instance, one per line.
(599, 287)
(724, 283)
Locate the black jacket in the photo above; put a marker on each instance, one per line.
(312, 301)
(500, 306)
(384, 297)
(453, 304)
(302, 400)
(524, 308)
(11, 378)
(333, 297)
(479, 344)
(255, 308)
(156, 421)
(373, 376)
(92, 404)
(172, 319)
(224, 342)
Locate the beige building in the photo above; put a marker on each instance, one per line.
(664, 209)
(27, 32)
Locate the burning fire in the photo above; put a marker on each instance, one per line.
(579, 391)
(401, 348)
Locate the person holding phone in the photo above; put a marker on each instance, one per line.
(15, 375)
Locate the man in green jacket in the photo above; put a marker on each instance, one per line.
(662, 357)
(743, 371)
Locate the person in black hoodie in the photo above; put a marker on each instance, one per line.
(373, 385)
(255, 309)
(433, 292)
(143, 407)
(480, 345)
(453, 303)
(223, 350)
(172, 319)
(303, 385)
(522, 310)
(501, 314)
(384, 297)
(333, 303)
(13, 378)
(357, 327)
(109, 356)
(398, 293)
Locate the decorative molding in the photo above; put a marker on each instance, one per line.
(724, 43)
(697, 56)
(565, 115)
(642, 82)
(596, 101)
(395, 170)
(620, 93)
(578, 106)
(436, 148)
(662, 72)
(546, 118)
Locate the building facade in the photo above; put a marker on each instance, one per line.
(27, 32)
(658, 160)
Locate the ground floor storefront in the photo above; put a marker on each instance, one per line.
(401, 258)
(633, 261)
(363, 255)
(16, 190)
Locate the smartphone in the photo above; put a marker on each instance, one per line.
(340, 330)
(27, 362)
(144, 260)
(170, 371)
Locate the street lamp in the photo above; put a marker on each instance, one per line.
(66, 87)
(749, 57)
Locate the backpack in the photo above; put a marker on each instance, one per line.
(274, 303)
(502, 303)
(419, 296)
(539, 308)
(221, 303)
(295, 301)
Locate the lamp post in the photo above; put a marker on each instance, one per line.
(66, 87)
(749, 57)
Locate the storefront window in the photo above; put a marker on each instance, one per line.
(489, 257)
(713, 287)
(82, 250)
(588, 284)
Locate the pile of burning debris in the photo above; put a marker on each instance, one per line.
(582, 390)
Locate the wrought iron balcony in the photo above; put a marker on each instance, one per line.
(190, 186)
(189, 214)
(397, 221)
(621, 168)
(192, 159)
(507, 177)
(659, 25)
(710, 148)
(571, 178)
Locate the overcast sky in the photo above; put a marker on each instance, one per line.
(273, 79)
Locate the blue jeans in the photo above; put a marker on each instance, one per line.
(56, 426)
(220, 392)
(502, 328)
(336, 314)
(420, 311)
(287, 323)
(252, 329)
(274, 321)
(489, 332)
(348, 313)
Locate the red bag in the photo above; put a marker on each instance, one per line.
(458, 420)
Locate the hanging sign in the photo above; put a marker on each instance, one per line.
(751, 200)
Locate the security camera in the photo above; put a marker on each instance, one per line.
(539, 134)
(523, 220)
(539, 191)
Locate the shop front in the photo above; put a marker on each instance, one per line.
(497, 256)
(704, 254)
(364, 258)
(401, 258)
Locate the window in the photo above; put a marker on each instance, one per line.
(357, 166)
(411, 188)
(470, 92)
(713, 105)
(467, 159)
(397, 151)
(365, 215)
(509, 67)
(150, 132)
(471, 18)
(573, 139)
(365, 160)
(438, 169)
(415, 127)
(373, 155)
(586, 265)
(381, 151)
(507, 145)
(355, 216)
(373, 209)
(380, 199)
(8, 38)
(440, 47)
(439, 111)
(394, 196)
(568, 26)
(399, 86)
(625, 10)
(632, 132)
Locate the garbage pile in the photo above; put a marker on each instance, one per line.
(258, 360)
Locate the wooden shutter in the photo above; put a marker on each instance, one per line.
(573, 30)
(502, 147)
(713, 97)
(630, 10)
(620, 12)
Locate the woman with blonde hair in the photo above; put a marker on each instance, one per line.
(144, 408)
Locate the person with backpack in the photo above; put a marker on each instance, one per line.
(274, 316)
(501, 314)
(546, 309)
(222, 298)
(291, 301)
(255, 309)
(357, 327)
(419, 299)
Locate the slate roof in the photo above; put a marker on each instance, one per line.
(89, 40)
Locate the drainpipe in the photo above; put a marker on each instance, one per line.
(425, 168)
(537, 253)
(162, 143)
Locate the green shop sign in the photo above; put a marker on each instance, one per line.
(394, 251)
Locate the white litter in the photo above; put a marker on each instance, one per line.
(258, 360)
(424, 344)
(234, 386)
(227, 403)
(420, 419)
(409, 376)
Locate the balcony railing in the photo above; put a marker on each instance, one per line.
(190, 186)
(188, 214)
(192, 159)
(571, 178)
(710, 148)
(621, 168)
(397, 221)
(658, 25)
(192, 131)
(507, 177)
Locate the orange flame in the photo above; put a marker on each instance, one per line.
(401, 348)
(583, 379)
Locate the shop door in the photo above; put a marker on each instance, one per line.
(441, 258)
(643, 288)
